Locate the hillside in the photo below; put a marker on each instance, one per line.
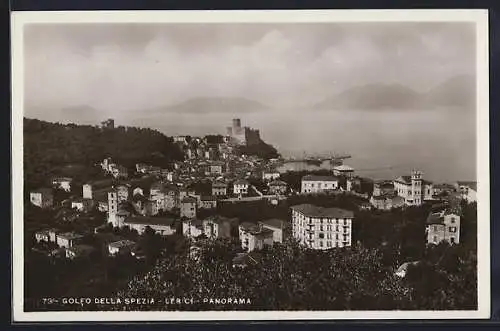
(456, 92)
(214, 105)
(50, 147)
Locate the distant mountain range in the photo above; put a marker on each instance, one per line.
(458, 92)
(213, 104)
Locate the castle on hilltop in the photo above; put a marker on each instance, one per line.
(243, 135)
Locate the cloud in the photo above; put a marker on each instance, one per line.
(121, 67)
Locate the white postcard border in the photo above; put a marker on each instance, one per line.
(480, 17)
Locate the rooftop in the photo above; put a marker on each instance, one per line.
(219, 184)
(316, 178)
(344, 168)
(189, 200)
(122, 243)
(145, 220)
(273, 222)
(314, 211)
(472, 185)
(70, 235)
(278, 183)
(241, 182)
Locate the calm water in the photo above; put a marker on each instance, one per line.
(441, 143)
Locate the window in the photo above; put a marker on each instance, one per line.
(453, 220)
(329, 243)
(435, 228)
(435, 239)
(320, 243)
(452, 229)
(321, 227)
(452, 240)
(321, 235)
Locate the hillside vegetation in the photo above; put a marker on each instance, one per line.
(53, 149)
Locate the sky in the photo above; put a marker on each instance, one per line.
(119, 67)
(86, 73)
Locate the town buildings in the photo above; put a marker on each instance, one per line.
(192, 228)
(275, 225)
(188, 207)
(413, 189)
(254, 236)
(467, 190)
(278, 187)
(42, 198)
(241, 186)
(443, 226)
(63, 183)
(87, 191)
(162, 225)
(318, 184)
(343, 170)
(322, 228)
(68, 239)
(270, 175)
(219, 189)
(387, 201)
(219, 226)
(121, 247)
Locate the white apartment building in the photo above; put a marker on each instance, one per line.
(413, 189)
(318, 184)
(241, 186)
(322, 228)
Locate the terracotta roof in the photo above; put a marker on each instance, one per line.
(314, 211)
(320, 178)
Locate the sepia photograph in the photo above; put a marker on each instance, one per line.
(250, 165)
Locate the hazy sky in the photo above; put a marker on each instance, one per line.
(115, 67)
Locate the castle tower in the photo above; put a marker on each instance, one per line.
(236, 126)
(416, 187)
(87, 191)
(112, 207)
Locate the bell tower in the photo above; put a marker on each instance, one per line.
(416, 187)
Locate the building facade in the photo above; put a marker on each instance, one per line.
(241, 186)
(322, 228)
(318, 184)
(42, 198)
(254, 237)
(443, 226)
(413, 189)
(188, 207)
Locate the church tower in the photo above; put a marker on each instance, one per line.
(416, 187)
(112, 207)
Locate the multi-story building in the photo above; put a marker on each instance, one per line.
(254, 237)
(87, 191)
(382, 188)
(188, 207)
(192, 228)
(216, 168)
(219, 189)
(318, 184)
(161, 225)
(241, 186)
(443, 226)
(322, 228)
(122, 192)
(275, 225)
(42, 198)
(112, 207)
(414, 189)
(208, 202)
